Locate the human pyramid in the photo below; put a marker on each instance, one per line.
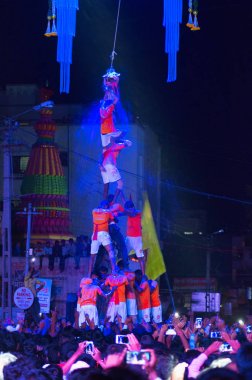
(129, 293)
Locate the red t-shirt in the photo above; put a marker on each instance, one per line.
(107, 122)
(122, 282)
(89, 294)
(154, 296)
(134, 227)
(101, 219)
(110, 155)
(143, 298)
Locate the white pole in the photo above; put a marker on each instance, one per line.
(6, 230)
(28, 238)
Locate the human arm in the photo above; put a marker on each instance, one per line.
(113, 360)
(182, 337)
(140, 288)
(133, 344)
(161, 337)
(106, 112)
(52, 330)
(103, 294)
(235, 344)
(196, 364)
(150, 365)
(80, 350)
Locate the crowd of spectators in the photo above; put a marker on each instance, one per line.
(178, 349)
(61, 249)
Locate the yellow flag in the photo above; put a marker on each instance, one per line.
(155, 265)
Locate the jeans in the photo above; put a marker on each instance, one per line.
(119, 241)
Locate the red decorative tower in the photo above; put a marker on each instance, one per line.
(44, 184)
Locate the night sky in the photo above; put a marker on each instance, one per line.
(203, 119)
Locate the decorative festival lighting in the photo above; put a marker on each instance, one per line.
(66, 26)
(193, 23)
(171, 22)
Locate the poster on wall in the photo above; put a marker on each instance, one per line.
(44, 295)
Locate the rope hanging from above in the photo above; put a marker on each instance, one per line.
(111, 78)
(66, 25)
(115, 36)
(172, 21)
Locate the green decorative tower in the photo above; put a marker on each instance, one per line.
(44, 184)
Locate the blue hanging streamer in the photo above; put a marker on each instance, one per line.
(66, 26)
(171, 22)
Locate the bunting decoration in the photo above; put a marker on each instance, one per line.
(172, 20)
(66, 26)
(49, 17)
(51, 30)
(190, 12)
(54, 29)
(193, 15)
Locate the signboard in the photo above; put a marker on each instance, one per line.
(23, 298)
(44, 295)
(193, 283)
(198, 303)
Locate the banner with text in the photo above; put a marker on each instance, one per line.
(44, 295)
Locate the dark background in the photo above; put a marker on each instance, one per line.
(203, 119)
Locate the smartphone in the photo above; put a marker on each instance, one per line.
(170, 330)
(215, 335)
(225, 347)
(90, 347)
(249, 329)
(136, 357)
(198, 323)
(121, 339)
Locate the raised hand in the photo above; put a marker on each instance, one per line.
(213, 347)
(133, 344)
(113, 360)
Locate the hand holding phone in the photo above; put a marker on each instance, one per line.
(225, 347)
(89, 347)
(122, 339)
(198, 323)
(138, 357)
